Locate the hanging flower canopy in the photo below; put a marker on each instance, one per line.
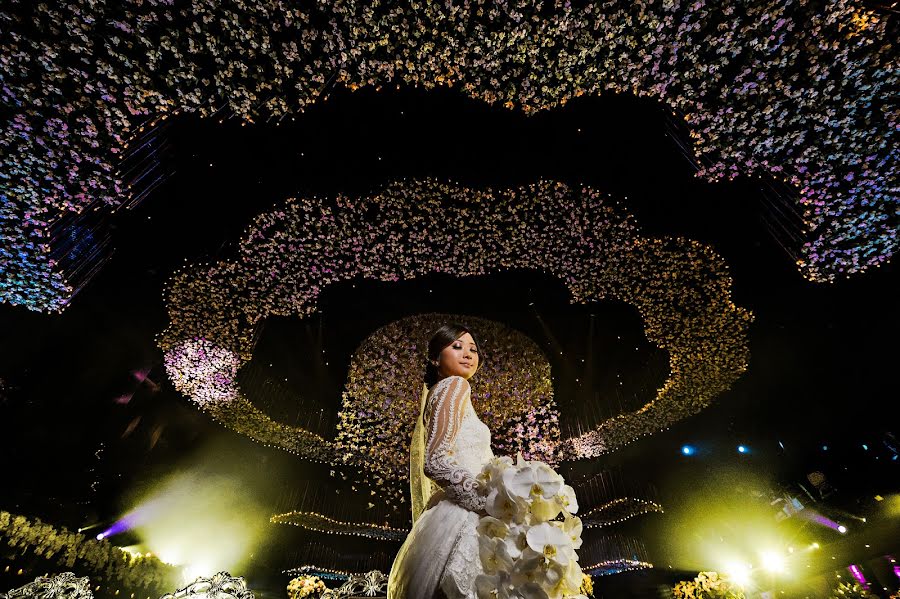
(797, 91)
(288, 256)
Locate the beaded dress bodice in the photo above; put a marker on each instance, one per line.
(458, 443)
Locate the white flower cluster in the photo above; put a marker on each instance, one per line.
(526, 552)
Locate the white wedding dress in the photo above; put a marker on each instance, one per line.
(439, 558)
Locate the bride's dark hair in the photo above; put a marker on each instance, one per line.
(443, 337)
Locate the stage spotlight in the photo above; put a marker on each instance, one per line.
(773, 561)
(739, 573)
(814, 546)
(688, 450)
(194, 571)
(742, 449)
(842, 529)
(101, 536)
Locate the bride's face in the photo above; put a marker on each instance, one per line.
(459, 358)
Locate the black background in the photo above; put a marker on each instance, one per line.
(823, 356)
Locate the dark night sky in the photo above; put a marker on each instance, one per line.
(823, 357)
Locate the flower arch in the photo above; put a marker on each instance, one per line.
(799, 91)
(680, 287)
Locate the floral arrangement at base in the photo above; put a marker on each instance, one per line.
(72, 550)
(708, 585)
(587, 586)
(847, 590)
(525, 550)
(305, 586)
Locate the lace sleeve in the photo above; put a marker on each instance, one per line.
(444, 414)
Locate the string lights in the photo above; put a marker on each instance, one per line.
(618, 510)
(322, 523)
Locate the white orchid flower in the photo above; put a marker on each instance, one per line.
(568, 499)
(515, 540)
(499, 586)
(533, 567)
(572, 526)
(494, 556)
(569, 583)
(493, 586)
(492, 527)
(532, 480)
(530, 590)
(545, 509)
(551, 542)
(492, 472)
(503, 506)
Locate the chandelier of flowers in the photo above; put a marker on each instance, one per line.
(799, 91)
(288, 256)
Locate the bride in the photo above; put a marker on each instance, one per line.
(439, 559)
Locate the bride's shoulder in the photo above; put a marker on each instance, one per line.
(455, 382)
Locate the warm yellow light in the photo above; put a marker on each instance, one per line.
(192, 572)
(773, 561)
(202, 520)
(739, 573)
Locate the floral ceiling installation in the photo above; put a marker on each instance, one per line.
(288, 256)
(801, 91)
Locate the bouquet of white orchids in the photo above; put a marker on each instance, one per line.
(526, 551)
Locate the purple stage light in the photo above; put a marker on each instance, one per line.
(858, 575)
(124, 523)
(821, 520)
